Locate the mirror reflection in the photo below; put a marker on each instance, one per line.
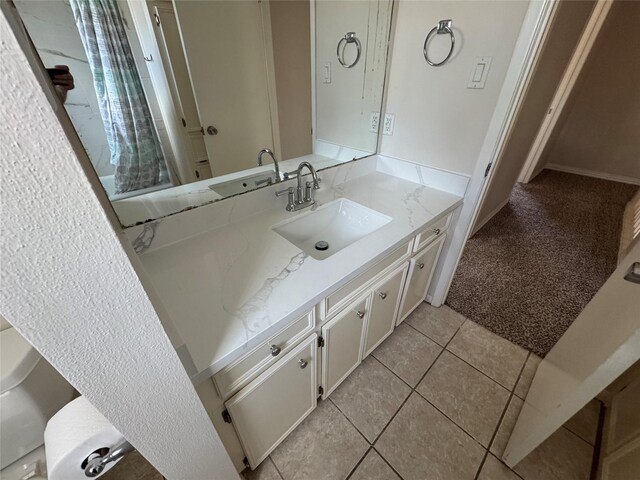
(180, 103)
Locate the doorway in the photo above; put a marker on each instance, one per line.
(540, 250)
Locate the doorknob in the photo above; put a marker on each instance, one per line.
(633, 274)
(211, 130)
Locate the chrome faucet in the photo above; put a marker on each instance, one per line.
(275, 163)
(299, 200)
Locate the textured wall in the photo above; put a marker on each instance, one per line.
(69, 286)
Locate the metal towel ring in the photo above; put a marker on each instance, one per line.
(444, 26)
(350, 37)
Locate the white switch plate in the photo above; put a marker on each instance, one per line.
(479, 72)
(326, 73)
(374, 122)
(389, 120)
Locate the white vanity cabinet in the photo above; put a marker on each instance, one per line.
(343, 337)
(277, 385)
(271, 406)
(386, 296)
(421, 270)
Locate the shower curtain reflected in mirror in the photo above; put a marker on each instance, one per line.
(135, 149)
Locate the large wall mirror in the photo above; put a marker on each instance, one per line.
(175, 100)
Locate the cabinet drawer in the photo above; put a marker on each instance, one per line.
(421, 271)
(432, 232)
(233, 377)
(271, 406)
(341, 297)
(384, 309)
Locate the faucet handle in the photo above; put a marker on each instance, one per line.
(282, 192)
(291, 204)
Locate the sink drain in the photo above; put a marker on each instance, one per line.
(322, 245)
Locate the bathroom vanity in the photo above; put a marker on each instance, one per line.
(274, 327)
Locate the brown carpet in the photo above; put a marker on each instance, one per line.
(528, 272)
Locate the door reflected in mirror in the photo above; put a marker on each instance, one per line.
(174, 100)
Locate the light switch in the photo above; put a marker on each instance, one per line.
(479, 72)
(326, 73)
(477, 75)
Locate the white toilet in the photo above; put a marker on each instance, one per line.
(31, 392)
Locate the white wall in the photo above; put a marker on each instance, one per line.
(344, 106)
(53, 31)
(70, 281)
(599, 133)
(438, 121)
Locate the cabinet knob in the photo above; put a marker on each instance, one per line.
(302, 362)
(360, 314)
(211, 130)
(382, 295)
(275, 350)
(436, 231)
(421, 265)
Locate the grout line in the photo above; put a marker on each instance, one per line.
(394, 373)
(424, 334)
(389, 465)
(504, 412)
(451, 420)
(413, 389)
(353, 470)
(597, 448)
(507, 466)
(348, 419)
(576, 435)
(465, 361)
(276, 467)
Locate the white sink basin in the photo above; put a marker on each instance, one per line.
(339, 224)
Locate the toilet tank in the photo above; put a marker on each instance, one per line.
(31, 392)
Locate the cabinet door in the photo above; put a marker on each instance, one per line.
(420, 272)
(343, 337)
(384, 307)
(270, 407)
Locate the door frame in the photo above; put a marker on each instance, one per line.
(532, 165)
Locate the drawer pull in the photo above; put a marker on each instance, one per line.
(360, 314)
(382, 295)
(436, 231)
(421, 265)
(275, 350)
(303, 363)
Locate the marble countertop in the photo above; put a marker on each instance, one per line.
(230, 288)
(166, 201)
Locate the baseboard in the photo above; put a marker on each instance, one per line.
(493, 212)
(592, 173)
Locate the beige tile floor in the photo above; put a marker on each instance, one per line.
(436, 401)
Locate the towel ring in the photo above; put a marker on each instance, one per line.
(350, 37)
(444, 26)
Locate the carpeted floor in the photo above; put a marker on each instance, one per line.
(528, 272)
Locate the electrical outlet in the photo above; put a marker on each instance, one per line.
(374, 122)
(389, 120)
